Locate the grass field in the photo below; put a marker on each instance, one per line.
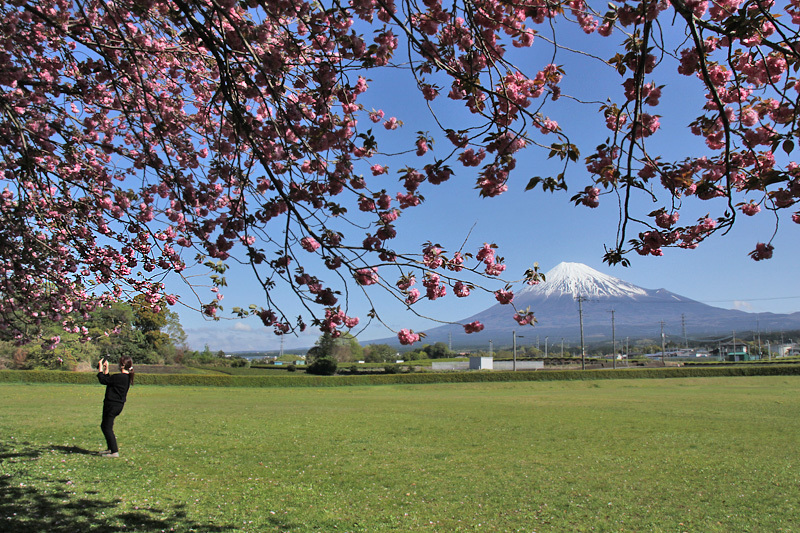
(695, 454)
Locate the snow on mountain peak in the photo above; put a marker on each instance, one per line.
(577, 279)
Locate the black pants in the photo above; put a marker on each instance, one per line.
(110, 411)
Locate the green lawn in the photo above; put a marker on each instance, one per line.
(694, 454)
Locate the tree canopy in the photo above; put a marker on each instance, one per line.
(121, 328)
(341, 348)
(144, 137)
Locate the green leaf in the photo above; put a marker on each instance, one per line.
(533, 183)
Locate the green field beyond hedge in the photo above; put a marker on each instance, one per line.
(693, 454)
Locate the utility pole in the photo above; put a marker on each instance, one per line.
(514, 335)
(663, 347)
(545, 347)
(583, 346)
(734, 345)
(683, 327)
(491, 349)
(562, 349)
(758, 329)
(450, 340)
(627, 351)
(613, 341)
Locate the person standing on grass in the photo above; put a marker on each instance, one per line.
(117, 386)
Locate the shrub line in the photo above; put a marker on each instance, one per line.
(224, 380)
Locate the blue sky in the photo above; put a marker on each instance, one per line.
(542, 227)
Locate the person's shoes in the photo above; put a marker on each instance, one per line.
(104, 452)
(115, 454)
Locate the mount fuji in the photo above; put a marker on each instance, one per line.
(637, 312)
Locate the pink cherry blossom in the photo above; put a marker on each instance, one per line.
(503, 296)
(434, 288)
(525, 319)
(666, 220)
(473, 327)
(412, 295)
(309, 244)
(750, 209)
(366, 276)
(486, 254)
(591, 197)
(762, 251)
(405, 282)
(422, 146)
(406, 337)
(461, 289)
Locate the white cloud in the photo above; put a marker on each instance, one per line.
(241, 326)
(742, 305)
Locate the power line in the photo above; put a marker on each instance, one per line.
(683, 300)
(751, 299)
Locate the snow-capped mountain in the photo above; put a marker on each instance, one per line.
(577, 279)
(636, 312)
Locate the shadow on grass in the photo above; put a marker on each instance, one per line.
(72, 449)
(49, 507)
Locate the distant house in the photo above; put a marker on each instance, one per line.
(481, 363)
(787, 350)
(734, 350)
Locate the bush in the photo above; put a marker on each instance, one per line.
(390, 369)
(291, 368)
(240, 362)
(323, 366)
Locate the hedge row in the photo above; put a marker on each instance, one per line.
(205, 380)
(781, 361)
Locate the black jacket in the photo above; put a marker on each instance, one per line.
(117, 386)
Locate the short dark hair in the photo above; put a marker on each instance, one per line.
(126, 362)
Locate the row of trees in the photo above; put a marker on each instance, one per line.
(349, 350)
(346, 349)
(132, 328)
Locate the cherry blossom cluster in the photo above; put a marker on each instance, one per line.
(743, 64)
(146, 139)
(435, 283)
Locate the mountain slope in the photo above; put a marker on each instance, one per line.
(636, 312)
